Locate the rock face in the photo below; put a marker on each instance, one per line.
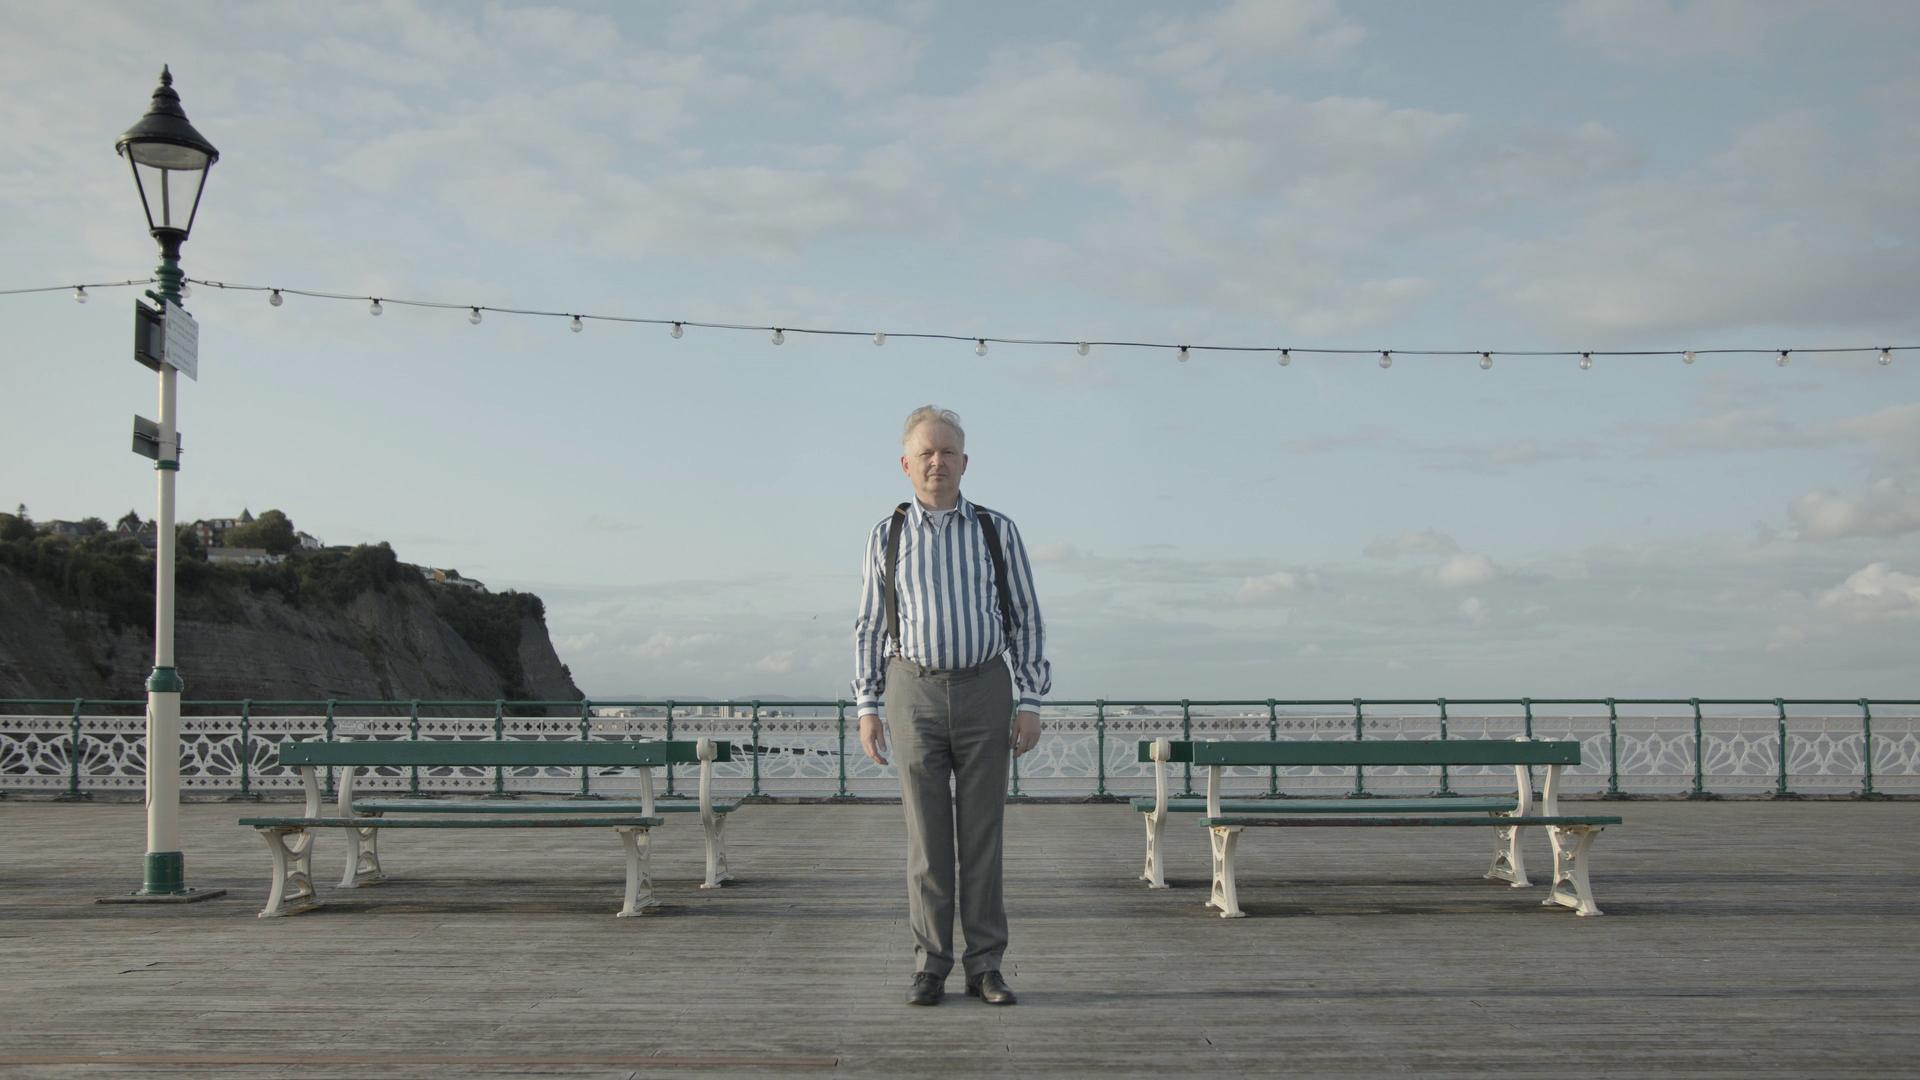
(235, 645)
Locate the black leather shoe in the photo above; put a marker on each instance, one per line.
(991, 988)
(927, 989)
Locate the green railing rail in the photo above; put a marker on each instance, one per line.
(674, 713)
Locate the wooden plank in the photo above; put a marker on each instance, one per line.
(490, 752)
(450, 823)
(1337, 752)
(515, 806)
(1437, 805)
(1750, 939)
(1483, 821)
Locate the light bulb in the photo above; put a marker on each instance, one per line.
(779, 336)
(1687, 356)
(1586, 361)
(374, 308)
(879, 337)
(678, 329)
(1783, 358)
(1386, 358)
(1886, 357)
(79, 294)
(186, 289)
(574, 324)
(1486, 361)
(1286, 357)
(473, 316)
(275, 298)
(980, 346)
(1083, 348)
(1184, 354)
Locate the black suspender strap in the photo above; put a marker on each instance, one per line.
(989, 532)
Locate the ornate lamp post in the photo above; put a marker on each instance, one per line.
(170, 161)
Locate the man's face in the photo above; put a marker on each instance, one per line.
(934, 463)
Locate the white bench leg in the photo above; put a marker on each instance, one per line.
(363, 858)
(1155, 872)
(1570, 887)
(717, 871)
(292, 890)
(639, 870)
(1224, 896)
(1509, 862)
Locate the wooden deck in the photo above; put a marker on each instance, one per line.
(1748, 939)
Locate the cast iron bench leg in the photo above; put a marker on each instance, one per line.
(717, 871)
(1570, 888)
(1155, 873)
(363, 858)
(639, 870)
(1225, 896)
(292, 890)
(1509, 863)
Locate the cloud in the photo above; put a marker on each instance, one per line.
(1461, 571)
(661, 644)
(1197, 50)
(1886, 508)
(779, 663)
(1475, 611)
(1874, 592)
(1657, 31)
(1266, 588)
(1420, 542)
(855, 56)
(1054, 553)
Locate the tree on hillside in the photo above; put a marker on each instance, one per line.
(15, 527)
(129, 522)
(92, 526)
(272, 531)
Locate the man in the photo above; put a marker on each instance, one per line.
(947, 591)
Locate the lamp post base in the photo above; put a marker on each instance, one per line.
(165, 883)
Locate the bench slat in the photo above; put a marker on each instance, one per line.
(1348, 822)
(1344, 752)
(450, 823)
(507, 753)
(509, 806)
(1436, 805)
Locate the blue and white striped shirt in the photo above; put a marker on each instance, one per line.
(949, 609)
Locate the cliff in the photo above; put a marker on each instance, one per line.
(275, 634)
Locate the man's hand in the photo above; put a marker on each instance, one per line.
(873, 738)
(1026, 732)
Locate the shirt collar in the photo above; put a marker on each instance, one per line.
(923, 516)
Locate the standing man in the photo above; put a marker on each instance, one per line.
(946, 593)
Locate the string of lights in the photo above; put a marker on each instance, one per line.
(1282, 354)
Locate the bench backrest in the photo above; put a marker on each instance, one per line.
(1369, 752)
(508, 752)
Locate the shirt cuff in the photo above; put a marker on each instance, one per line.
(868, 708)
(1030, 704)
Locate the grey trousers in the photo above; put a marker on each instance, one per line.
(949, 740)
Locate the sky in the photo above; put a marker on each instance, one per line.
(1583, 175)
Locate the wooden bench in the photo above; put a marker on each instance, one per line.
(290, 839)
(1571, 836)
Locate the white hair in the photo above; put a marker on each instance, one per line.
(930, 414)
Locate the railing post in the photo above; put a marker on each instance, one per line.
(755, 728)
(413, 735)
(326, 732)
(1613, 749)
(1866, 751)
(841, 723)
(1359, 771)
(1699, 753)
(1273, 735)
(1100, 747)
(1780, 788)
(1186, 732)
(586, 733)
(1527, 704)
(499, 733)
(669, 739)
(1013, 760)
(246, 749)
(73, 792)
(1446, 774)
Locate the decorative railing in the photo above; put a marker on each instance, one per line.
(1696, 747)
